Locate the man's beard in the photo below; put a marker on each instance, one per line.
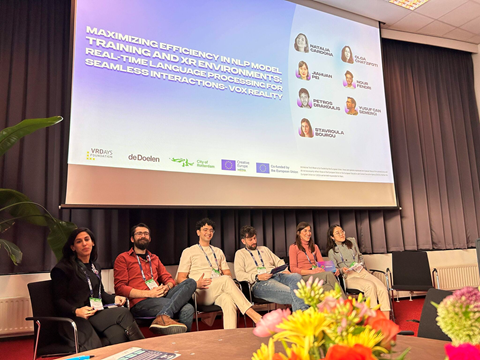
(252, 247)
(142, 245)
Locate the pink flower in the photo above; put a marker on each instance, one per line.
(364, 310)
(268, 324)
(462, 352)
(327, 304)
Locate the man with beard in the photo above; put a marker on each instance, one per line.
(254, 264)
(141, 276)
(351, 105)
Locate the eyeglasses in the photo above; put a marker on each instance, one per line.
(140, 233)
(208, 231)
(339, 232)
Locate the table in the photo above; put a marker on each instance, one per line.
(240, 344)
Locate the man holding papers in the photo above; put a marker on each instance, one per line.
(255, 264)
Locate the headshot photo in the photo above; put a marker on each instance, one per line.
(301, 43)
(303, 100)
(302, 71)
(347, 55)
(305, 129)
(350, 106)
(348, 82)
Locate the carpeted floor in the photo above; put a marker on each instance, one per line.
(22, 348)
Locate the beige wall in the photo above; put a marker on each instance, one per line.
(16, 285)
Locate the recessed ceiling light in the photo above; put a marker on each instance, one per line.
(408, 4)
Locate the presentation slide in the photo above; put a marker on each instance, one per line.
(170, 95)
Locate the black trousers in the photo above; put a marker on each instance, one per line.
(109, 323)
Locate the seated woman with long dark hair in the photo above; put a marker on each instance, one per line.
(349, 260)
(79, 295)
(304, 256)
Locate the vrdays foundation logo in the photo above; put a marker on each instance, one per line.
(96, 153)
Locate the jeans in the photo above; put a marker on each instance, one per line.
(173, 304)
(279, 289)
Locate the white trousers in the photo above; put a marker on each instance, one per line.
(371, 286)
(224, 292)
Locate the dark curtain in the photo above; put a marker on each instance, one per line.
(434, 130)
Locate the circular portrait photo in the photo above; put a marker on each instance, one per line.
(305, 129)
(348, 82)
(301, 43)
(350, 107)
(303, 100)
(302, 71)
(347, 55)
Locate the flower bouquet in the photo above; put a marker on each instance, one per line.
(459, 318)
(332, 328)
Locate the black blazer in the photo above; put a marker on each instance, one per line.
(70, 287)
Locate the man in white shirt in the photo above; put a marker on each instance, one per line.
(254, 264)
(206, 264)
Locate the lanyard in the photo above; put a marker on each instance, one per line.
(314, 259)
(90, 282)
(215, 256)
(259, 255)
(341, 256)
(141, 268)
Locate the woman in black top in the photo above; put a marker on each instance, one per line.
(76, 280)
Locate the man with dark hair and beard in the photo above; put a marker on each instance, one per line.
(141, 276)
(254, 264)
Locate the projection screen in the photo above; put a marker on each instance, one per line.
(230, 103)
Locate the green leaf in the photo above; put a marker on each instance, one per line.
(59, 232)
(402, 355)
(13, 251)
(358, 330)
(9, 136)
(5, 222)
(23, 208)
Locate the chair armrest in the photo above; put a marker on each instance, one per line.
(341, 282)
(387, 275)
(436, 279)
(50, 318)
(237, 283)
(39, 319)
(246, 290)
(195, 305)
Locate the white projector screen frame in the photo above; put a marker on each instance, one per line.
(104, 170)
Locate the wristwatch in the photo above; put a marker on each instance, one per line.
(256, 277)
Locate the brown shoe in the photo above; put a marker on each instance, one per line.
(163, 324)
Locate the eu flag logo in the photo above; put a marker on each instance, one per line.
(229, 165)
(263, 168)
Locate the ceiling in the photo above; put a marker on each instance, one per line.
(450, 19)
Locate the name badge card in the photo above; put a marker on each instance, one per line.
(96, 303)
(151, 284)
(215, 273)
(261, 270)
